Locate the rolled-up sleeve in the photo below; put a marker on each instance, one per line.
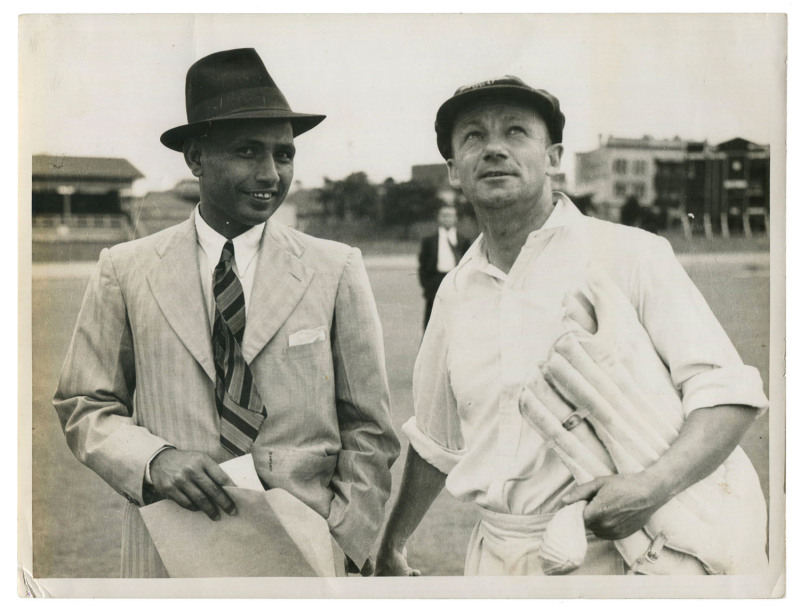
(703, 363)
(435, 429)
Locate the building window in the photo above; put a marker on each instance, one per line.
(640, 167)
(620, 166)
(619, 189)
(638, 190)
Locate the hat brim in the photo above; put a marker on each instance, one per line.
(446, 116)
(301, 123)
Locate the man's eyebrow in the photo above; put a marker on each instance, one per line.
(246, 141)
(472, 122)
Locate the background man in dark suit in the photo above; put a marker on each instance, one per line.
(439, 253)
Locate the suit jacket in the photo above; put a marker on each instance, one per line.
(139, 374)
(429, 276)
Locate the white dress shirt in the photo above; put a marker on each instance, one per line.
(488, 330)
(209, 249)
(446, 258)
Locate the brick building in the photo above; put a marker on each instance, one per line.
(718, 188)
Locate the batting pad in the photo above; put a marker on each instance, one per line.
(607, 371)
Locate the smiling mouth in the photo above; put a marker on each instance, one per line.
(262, 195)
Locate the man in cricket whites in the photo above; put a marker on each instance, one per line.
(572, 381)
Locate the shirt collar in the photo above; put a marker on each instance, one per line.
(564, 213)
(449, 234)
(245, 245)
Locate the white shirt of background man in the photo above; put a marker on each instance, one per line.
(446, 259)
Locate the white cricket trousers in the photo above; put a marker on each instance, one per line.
(505, 544)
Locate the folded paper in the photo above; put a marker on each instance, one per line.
(273, 534)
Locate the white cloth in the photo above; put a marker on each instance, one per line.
(209, 248)
(488, 330)
(446, 258)
(504, 544)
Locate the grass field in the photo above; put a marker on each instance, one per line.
(77, 517)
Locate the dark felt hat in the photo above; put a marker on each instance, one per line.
(504, 88)
(232, 85)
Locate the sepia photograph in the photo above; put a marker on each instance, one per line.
(383, 300)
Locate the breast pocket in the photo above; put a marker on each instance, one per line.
(305, 350)
(306, 342)
(298, 383)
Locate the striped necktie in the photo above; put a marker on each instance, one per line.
(241, 410)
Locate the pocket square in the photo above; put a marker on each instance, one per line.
(307, 336)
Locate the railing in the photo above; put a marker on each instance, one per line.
(81, 227)
(79, 221)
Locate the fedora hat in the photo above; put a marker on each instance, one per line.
(232, 85)
(504, 88)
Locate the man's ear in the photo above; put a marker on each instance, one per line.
(452, 174)
(554, 154)
(193, 155)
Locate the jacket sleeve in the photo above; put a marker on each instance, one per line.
(427, 268)
(361, 482)
(94, 398)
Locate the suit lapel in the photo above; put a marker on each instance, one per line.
(175, 282)
(281, 281)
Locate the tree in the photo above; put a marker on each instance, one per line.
(405, 203)
(351, 198)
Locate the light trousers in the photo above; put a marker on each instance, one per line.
(505, 544)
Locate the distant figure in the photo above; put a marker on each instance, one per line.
(631, 212)
(653, 219)
(439, 253)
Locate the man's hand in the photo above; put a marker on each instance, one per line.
(392, 562)
(421, 484)
(193, 480)
(619, 505)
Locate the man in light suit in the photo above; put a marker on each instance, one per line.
(439, 253)
(167, 376)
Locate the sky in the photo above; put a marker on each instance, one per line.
(109, 85)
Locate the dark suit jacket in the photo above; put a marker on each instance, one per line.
(429, 277)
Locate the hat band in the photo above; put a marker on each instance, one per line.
(230, 102)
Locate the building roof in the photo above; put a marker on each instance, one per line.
(647, 142)
(740, 144)
(98, 168)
